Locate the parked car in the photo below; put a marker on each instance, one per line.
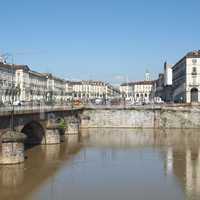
(98, 101)
(19, 103)
(16, 103)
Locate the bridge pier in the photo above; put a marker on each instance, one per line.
(72, 131)
(52, 134)
(12, 148)
(73, 127)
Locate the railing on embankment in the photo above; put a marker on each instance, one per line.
(146, 116)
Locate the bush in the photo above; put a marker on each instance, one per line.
(62, 125)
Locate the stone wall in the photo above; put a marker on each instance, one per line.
(164, 117)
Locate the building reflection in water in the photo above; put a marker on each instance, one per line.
(180, 150)
(51, 152)
(169, 161)
(192, 184)
(12, 175)
(18, 181)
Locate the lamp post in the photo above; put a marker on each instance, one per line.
(12, 141)
(12, 91)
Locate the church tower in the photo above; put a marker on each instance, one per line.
(147, 76)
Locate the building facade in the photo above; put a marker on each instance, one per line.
(143, 91)
(167, 74)
(7, 82)
(126, 90)
(94, 89)
(164, 84)
(68, 90)
(186, 78)
(32, 85)
(160, 85)
(28, 85)
(56, 88)
(139, 91)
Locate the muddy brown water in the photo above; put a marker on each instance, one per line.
(108, 164)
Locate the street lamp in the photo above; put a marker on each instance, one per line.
(12, 90)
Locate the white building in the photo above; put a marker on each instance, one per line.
(68, 90)
(29, 85)
(32, 85)
(167, 74)
(35, 87)
(7, 79)
(139, 91)
(142, 91)
(186, 78)
(94, 89)
(126, 90)
(56, 88)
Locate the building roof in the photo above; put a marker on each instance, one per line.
(138, 83)
(191, 54)
(37, 74)
(25, 67)
(49, 75)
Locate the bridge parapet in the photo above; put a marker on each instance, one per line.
(4, 111)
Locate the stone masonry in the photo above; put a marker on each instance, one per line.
(141, 117)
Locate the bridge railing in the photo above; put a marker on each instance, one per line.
(46, 108)
(17, 109)
(120, 106)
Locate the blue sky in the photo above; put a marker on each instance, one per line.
(99, 39)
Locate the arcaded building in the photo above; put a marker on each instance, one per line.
(186, 78)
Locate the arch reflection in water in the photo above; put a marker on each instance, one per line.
(139, 164)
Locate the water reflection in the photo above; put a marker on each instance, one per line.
(109, 164)
(179, 149)
(19, 181)
(12, 176)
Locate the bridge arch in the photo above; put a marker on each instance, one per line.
(35, 133)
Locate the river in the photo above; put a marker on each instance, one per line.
(109, 164)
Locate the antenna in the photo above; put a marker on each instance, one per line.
(3, 58)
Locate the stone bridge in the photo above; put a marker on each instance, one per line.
(41, 125)
(50, 125)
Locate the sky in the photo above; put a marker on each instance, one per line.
(110, 40)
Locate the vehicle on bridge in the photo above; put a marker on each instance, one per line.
(21, 103)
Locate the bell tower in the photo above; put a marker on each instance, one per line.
(147, 75)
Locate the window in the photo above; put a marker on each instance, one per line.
(194, 71)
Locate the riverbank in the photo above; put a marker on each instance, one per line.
(159, 117)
